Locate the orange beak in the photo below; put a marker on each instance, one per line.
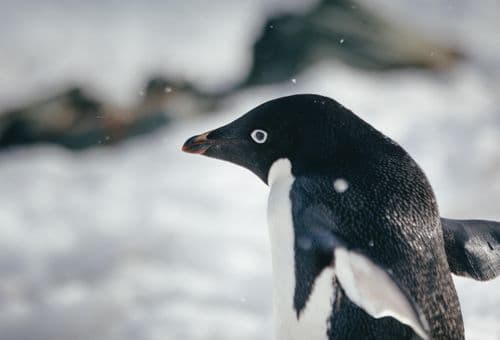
(198, 144)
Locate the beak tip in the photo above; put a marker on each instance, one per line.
(196, 144)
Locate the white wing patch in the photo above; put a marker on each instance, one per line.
(371, 288)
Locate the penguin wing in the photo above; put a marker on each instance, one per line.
(472, 247)
(366, 283)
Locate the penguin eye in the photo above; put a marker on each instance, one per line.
(259, 136)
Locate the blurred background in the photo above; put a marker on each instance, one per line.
(108, 231)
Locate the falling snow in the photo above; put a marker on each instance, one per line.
(340, 185)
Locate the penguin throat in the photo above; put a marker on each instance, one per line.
(281, 168)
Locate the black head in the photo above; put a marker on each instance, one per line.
(310, 130)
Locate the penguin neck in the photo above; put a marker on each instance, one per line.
(312, 324)
(281, 237)
(280, 170)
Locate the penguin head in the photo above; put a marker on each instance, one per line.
(309, 130)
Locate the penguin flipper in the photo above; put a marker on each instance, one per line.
(369, 285)
(472, 247)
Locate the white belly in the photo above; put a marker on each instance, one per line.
(312, 324)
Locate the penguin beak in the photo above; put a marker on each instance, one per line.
(198, 144)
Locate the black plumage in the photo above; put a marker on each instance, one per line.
(384, 210)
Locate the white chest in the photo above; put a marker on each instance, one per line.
(312, 324)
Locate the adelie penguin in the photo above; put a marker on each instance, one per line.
(359, 250)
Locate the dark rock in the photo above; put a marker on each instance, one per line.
(177, 99)
(343, 30)
(75, 120)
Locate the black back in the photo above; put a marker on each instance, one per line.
(389, 213)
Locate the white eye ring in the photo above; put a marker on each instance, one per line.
(259, 136)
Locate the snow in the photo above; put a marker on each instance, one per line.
(340, 185)
(141, 241)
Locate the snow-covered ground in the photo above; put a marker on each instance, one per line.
(141, 241)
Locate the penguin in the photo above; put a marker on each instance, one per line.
(359, 250)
